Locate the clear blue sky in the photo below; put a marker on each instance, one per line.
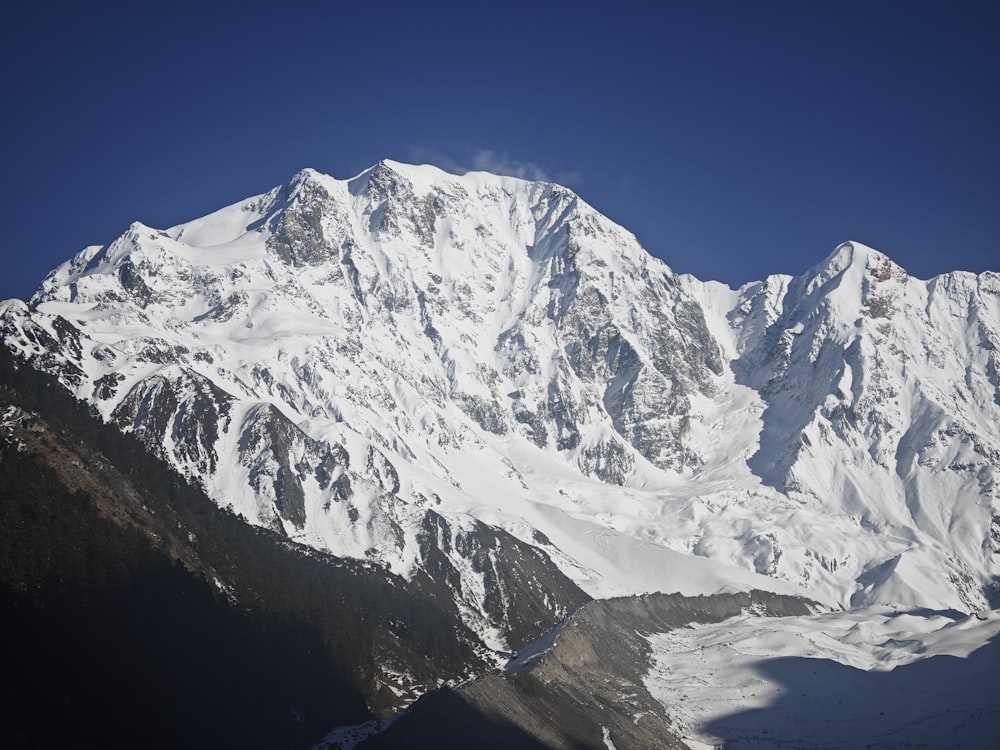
(736, 139)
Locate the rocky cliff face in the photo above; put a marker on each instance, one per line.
(482, 382)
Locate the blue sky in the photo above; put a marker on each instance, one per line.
(736, 139)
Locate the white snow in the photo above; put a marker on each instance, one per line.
(847, 451)
(873, 677)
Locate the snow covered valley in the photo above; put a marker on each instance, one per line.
(873, 677)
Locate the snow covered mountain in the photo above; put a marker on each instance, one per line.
(483, 381)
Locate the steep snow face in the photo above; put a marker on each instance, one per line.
(380, 366)
(882, 401)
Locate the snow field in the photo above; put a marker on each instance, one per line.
(873, 677)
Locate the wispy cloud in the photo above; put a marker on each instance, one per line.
(423, 155)
(488, 160)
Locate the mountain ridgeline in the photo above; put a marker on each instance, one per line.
(475, 399)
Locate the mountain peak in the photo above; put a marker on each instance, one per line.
(856, 255)
(306, 175)
(306, 179)
(408, 318)
(481, 384)
(380, 171)
(852, 269)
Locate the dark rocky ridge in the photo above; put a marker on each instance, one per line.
(115, 572)
(388, 639)
(585, 689)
